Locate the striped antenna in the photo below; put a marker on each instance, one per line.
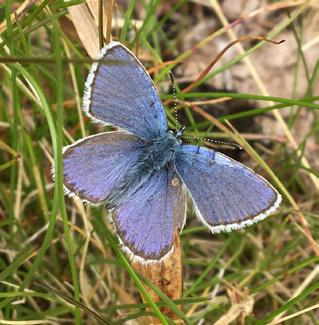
(227, 143)
(175, 98)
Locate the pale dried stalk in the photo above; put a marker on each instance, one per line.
(312, 275)
(23, 8)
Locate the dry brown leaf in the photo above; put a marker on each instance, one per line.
(93, 6)
(86, 28)
(242, 306)
(167, 275)
(116, 21)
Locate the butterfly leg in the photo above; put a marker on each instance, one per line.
(195, 156)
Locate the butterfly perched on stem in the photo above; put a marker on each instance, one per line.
(142, 172)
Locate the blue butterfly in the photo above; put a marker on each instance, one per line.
(142, 172)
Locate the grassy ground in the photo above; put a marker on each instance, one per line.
(60, 262)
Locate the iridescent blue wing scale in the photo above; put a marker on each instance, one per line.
(93, 166)
(227, 195)
(119, 91)
(147, 221)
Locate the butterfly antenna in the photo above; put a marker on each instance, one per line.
(175, 98)
(227, 143)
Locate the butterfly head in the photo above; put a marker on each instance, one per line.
(179, 133)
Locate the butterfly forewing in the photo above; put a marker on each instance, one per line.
(94, 166)
(226, 194)
(119, 91)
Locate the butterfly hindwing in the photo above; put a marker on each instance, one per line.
(227, 195)
(93, 166)
(147, 221)
(119, 91)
